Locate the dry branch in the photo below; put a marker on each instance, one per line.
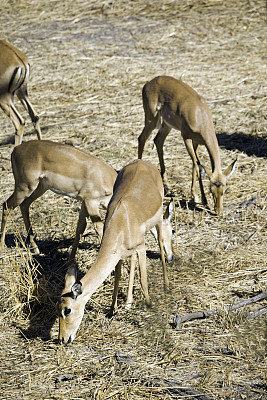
(258, 313)
(179, 319)
(176, 388)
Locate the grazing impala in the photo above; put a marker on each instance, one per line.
(135, 208)
(41, 165)
(14, 75)
(170, 103)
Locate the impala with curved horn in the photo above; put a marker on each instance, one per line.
(14, 76)
(170, 103)
(41, 165)
(135, 208)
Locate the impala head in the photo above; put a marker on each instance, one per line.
(167, 231)
(70, 308)
(218, 184)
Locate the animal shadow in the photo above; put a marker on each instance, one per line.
(251, 145)
(51, 266)
(48, 284)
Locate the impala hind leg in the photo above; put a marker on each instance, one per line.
(151, 123)
(93, 211)
(22, 94)
(10, 204)
(159, 142)
(15, 117)
(24, 207)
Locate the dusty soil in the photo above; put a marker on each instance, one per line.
(89, 62)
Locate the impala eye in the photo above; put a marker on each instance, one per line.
(67, 311)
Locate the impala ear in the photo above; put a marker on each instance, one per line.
(70, 277)
(76, 290)
(204, 171)
(169, 211)
(230, 170)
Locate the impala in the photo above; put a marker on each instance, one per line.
(14, 76)
(135, 208)
(170, 103)
(41, 165)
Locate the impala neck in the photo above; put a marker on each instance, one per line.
(214, 152)
(108, 257)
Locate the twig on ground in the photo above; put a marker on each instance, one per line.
(179, 319)
(176, 388)
(258, 313)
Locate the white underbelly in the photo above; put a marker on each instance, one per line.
(62, 193)
(61, 185)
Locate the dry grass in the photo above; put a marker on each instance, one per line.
(89, 63)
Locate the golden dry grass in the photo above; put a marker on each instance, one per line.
(89, 63)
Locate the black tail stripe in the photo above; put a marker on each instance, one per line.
(11, 82)
(12, 78)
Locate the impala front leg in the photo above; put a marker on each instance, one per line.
(198, 173)
(195, 175)
(131, 283)
(116, 288)
(141, 251)
(193, 152)
(161, 246)
(203, 196)
(195, 171)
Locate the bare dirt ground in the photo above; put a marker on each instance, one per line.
(90, 61)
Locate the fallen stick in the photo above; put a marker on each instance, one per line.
(258, 313)
(176, 389)
(179, 319)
